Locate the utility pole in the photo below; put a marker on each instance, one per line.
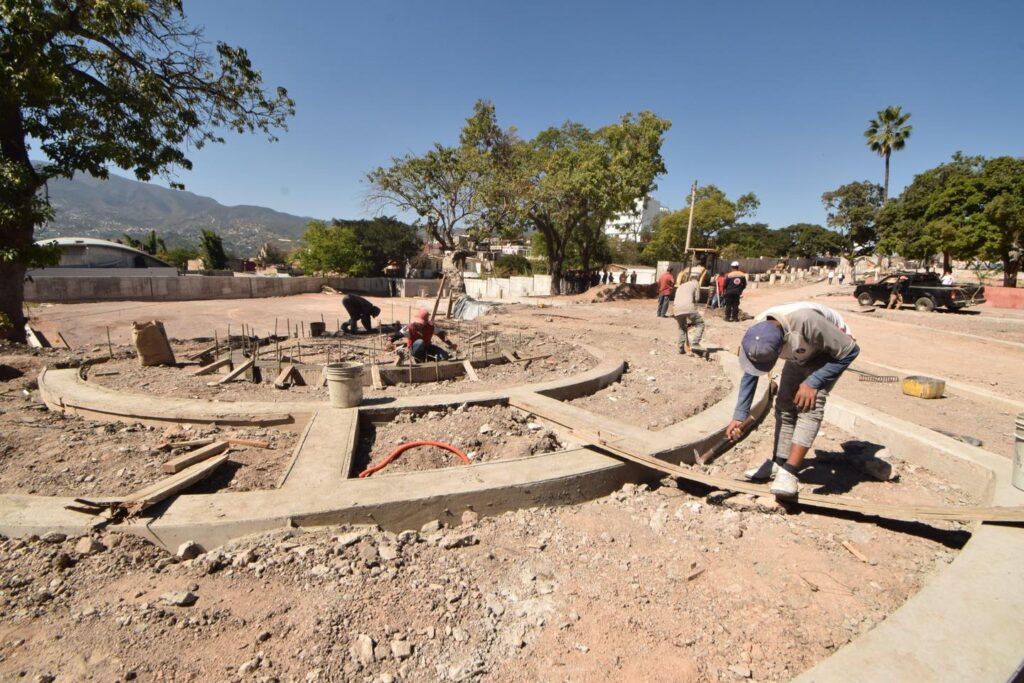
(689, 227)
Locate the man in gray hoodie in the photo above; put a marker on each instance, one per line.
(817, 346)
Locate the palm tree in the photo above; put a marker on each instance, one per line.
(886, 134)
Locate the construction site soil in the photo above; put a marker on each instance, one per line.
(48, 453)
(481, 433)
(706, 589)
(655, 582)
(553, 360)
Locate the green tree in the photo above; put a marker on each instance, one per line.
(713, 213)
(969, 207)
(93, 83)
(509, 264)
(179, 256)
(333, 248)
(151, 244)
(575, 179)
(887, 134)
(382, 239)
(925, 221)
(211, 250)
(853, 210)
(807, 240)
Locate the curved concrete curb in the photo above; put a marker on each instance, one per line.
(400, 500)
(967, 623)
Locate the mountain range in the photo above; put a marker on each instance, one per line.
(86, 206)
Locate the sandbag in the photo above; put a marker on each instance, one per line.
(150, 341)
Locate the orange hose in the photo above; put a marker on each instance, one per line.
(413, 444)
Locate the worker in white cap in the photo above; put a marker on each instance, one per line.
(735, 283)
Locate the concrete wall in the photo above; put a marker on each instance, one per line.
(496, 288)
(188, 288)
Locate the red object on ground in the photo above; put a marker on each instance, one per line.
(413, 444)
(1004, 297)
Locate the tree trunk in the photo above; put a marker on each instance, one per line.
(555, 264)
(947, 262)
(885, 188)
(1011, 266)
(12, 293)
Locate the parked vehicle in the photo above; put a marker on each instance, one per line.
(923, 291)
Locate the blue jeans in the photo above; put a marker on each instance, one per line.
(422, 351)
(663, 304)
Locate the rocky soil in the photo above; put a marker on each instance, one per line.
(482, 433)
(651, 583)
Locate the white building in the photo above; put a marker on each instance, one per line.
(629, 225)
(85, 256)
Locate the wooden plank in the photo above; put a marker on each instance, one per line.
(856, 553)
(289, 376)
(64, 341)
(509, 355)
(192, 457)
(213, 367)
(252, 443)
(470, 372)
(194, 443)
(199, 354)
(168, 486)
(237, 372)
(620, 449)
(375, 378)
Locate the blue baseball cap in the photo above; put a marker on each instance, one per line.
(760, 348)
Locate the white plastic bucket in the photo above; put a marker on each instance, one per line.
(1018, 455)
(345, 384)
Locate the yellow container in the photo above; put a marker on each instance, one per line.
(924, 387)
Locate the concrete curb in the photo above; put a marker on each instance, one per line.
(965, 624)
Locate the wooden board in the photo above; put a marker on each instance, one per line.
(470, 372)
(237, 372)
(184, 460)
(212, 367)
(289, 376)
(194, 443)
(375, 378)
(168, 486)
(251, 443)
(208, 351)
(619, 448)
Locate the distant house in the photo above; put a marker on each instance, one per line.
(85, 256)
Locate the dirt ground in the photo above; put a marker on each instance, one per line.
(654, 582)
(554, 360)
(481, 433)
(48, 453)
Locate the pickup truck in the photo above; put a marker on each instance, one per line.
(923, 291)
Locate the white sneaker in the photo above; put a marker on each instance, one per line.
(766, 471)
(786, 484)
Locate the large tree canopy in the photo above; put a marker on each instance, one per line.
(969, 207)
(93, 83)
(574, 180)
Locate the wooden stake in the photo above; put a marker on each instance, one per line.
(110, 348)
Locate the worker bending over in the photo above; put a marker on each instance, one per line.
(817, 346)
(420, 336)
(359, 310)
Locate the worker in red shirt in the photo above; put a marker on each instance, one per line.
(666, 283)
(420, 338)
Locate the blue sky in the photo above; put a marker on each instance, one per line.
(769, 97)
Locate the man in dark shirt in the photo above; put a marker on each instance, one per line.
(735, 283)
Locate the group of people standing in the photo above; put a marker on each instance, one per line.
(726, 290)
